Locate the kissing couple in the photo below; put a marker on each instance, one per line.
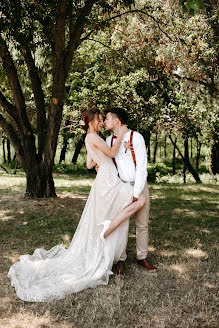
(99, 243)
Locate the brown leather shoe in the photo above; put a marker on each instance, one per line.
(119, 267)
(147, 265)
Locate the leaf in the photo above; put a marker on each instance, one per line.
(181, 2)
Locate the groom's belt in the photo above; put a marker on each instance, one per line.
(131, 182)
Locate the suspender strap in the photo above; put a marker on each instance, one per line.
(132, 149)
(114, 161)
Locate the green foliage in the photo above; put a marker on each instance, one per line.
(192, 6)
(158, 63)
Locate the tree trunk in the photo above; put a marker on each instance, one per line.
(186, 158)
(78, 149)
(3, 148)
(149, 146)
(214, 166)
(198, 153)
(64, 37)
(15, 163)
(184, 172)
(66, 137)
(165, 146)
(63, 151)
(191, 152)
(174, 156)
(4, 168)
(155, 148)
(147, 138)
(188, 164)
(9, 151)
(160, 149)
(40, 182)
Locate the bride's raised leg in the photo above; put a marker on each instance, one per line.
(125, 214)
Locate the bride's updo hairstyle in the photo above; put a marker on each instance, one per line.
(88, 116)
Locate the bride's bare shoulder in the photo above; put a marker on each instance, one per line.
(92, 137)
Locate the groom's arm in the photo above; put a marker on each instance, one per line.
(141, 164)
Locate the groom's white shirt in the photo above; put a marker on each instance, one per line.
(125, 164)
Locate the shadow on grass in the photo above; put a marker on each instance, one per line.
(183, 234)
(182, 219)
(40, 223)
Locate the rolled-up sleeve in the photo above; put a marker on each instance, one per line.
(141, 163)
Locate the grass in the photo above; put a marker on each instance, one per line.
(183, 245)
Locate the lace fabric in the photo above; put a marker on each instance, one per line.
(53, 274)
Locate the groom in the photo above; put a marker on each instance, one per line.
(131, 163)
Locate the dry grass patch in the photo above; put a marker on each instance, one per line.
(183, 244)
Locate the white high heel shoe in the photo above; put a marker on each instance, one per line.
(106, 225)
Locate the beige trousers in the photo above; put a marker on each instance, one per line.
(141, 222)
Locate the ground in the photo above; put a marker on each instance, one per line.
(183, 246)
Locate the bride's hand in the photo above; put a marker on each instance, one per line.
(122, 130)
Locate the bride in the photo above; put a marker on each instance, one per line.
(98, 240)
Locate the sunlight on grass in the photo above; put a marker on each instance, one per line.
(157, 197)
(185, 212)
(63, 195)
(151, 249)
(196, 253)
(12, 257)
(203, 230)
(208, 285)
(4, 216)
(167, 253)
(22, 319)
(183, 234)
(180, 269)
(63, 183)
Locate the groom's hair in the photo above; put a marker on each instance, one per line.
(119, 112)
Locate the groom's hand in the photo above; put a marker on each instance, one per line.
(134, 199)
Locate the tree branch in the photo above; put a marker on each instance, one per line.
(174, 143)
(38, 98)
(211, 86)
(60, 28)
(18, 96)
(4, 168)
(126, 13)
(46, 29)
(12, 136)
(58, 88)
(76, 33)
(106, 46)
(10, 109)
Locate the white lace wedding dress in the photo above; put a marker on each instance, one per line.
(53, 274)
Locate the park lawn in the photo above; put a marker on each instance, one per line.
(183, 245)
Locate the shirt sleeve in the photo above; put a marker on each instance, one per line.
(141, 164)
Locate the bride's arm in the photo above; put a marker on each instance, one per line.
(90, 162)
(95, 140)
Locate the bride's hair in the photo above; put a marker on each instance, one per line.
(88, 116)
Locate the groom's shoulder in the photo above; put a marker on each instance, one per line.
(137, 134)
(138, 137)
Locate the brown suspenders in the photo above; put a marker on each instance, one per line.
(114, 161)
(131, 148)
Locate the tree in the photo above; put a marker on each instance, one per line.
(42, 37)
